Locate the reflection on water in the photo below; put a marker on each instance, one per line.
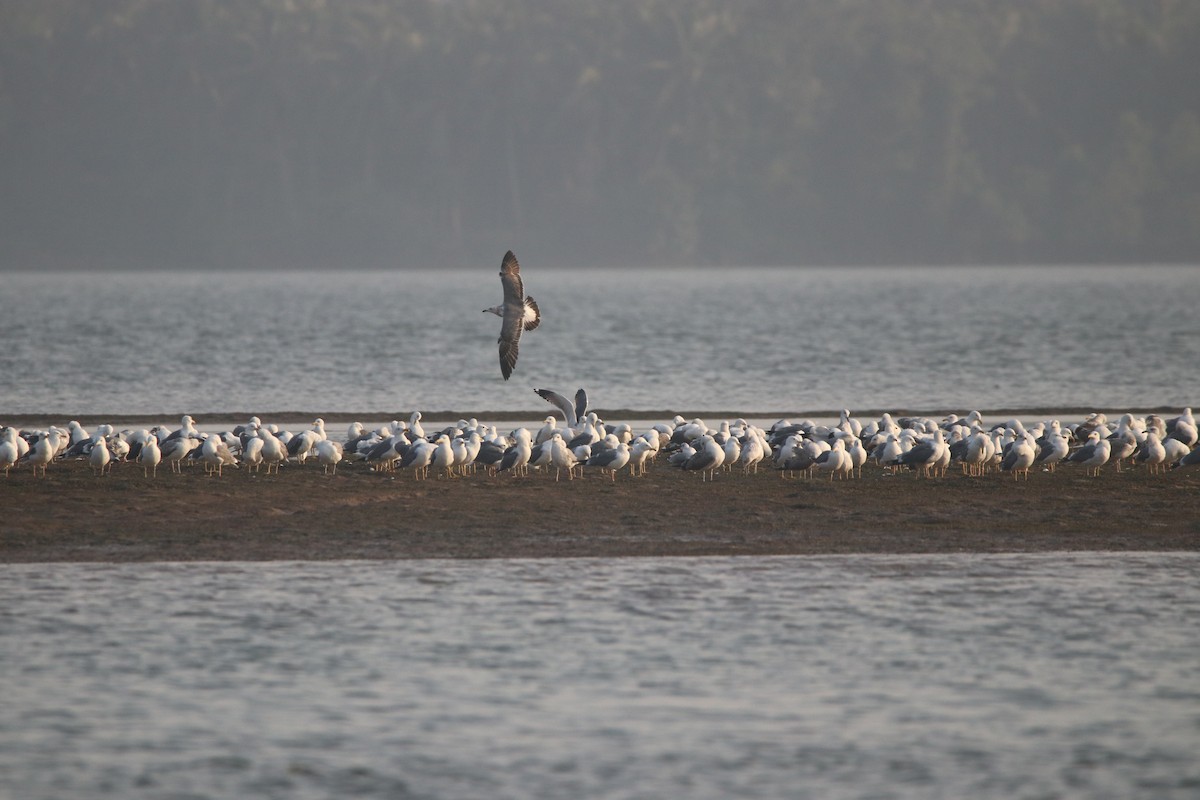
(865, 676)
(744, 341)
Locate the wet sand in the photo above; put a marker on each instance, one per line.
(302, 514)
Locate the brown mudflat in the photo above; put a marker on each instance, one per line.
(304, 514)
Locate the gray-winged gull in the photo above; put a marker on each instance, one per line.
(418, 457)
(516, 458)
(708, 458)
(1191, 459)
(1019, 458)
(518, 312)
(42, 452)
(924, 454)
(1093, 455)
(1152, 454)
(572, 412)
(835, 460)
(1052, 447)
(1183, 429)
(612, 460)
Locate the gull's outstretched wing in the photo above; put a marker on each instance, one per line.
(561, 403)
(580, 404)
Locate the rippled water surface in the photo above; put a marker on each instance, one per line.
(869, 676)
(745, 340)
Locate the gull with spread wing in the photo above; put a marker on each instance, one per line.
(520, 313)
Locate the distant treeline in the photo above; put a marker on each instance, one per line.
(443, 132)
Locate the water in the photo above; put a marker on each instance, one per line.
(1059, 675)
(746, 341)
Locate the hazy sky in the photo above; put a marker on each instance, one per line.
(353, 134)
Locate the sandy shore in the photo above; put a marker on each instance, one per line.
(304, 514)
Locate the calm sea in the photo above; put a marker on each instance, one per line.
(744, 340)
(1023, 676)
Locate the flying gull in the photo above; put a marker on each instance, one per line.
(520, 313)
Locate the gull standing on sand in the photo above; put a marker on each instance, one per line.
(443, 457)
(835, 460)
(520, 313)
(9, 454)
(329, 453)
(708, 458)
(302, 445)
(1152, 454)
(187, 427)
(922, 456)
(273, 451)
(517, 457)
(1123, 443)
(42, 453)
(1019, 458)
(753, 451)
(547, 430)
(611, 461)
(176, 448)
(252, 454)
(215, 455)
(561, 457)
(1051, 448)
(418, 457)
(639, 452)
(99, 458)
(149, 455)
(1092, 455)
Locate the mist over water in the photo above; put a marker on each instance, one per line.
(746, 340)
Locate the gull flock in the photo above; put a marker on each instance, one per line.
(923, 446)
